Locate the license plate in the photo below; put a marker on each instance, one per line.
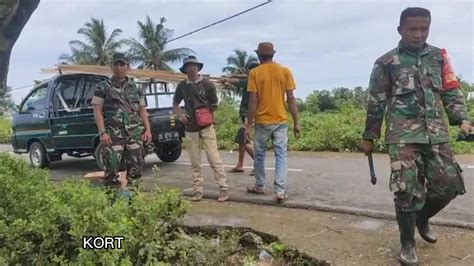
(168, 136)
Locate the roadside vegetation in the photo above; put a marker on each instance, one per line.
(43, 223)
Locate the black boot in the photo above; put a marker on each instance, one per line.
(431, 208)
(406, 226)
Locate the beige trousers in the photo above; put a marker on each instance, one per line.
(206, 137)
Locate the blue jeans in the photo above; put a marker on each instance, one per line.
(279, 135)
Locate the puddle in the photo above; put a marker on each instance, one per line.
(368, 225)
(200, 220)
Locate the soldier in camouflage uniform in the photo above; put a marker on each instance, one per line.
(409, 85)
(125, 125)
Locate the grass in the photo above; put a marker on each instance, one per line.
(5, 130)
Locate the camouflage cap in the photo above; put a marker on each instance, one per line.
(120, 57)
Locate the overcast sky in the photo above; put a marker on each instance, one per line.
(325, 43)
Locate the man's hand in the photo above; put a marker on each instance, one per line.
(105, 139)
(367, 146)
(248, 129)
(184, 118)
(297, 129)
(466, 128)
(146, 137)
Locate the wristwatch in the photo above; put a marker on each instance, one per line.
(102, 133)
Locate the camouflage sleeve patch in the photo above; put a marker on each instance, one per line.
(142, 102)
(97, 100)
(141, 98)
(455, 106)
(99, 94)
(379, 87)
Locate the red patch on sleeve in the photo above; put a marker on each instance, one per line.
(450, 82)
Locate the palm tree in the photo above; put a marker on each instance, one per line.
(238, 62)
(99, 46)
(150, 53)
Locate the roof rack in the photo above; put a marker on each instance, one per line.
(155, 75)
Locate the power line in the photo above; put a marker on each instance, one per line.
(23, 87)
(189, 33)
(220, 21)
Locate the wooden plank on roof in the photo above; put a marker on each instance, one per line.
(158, 75)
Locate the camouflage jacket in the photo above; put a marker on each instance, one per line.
(121, 105)
(408, 90)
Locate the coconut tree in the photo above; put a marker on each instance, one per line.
(98, 47)
(149, 51)
(239, 62)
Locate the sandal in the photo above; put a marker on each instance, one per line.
(255, 190)
(252, 173)
(281, 197)
(224, 195)
(236, 170)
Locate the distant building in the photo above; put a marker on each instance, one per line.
(470, 96)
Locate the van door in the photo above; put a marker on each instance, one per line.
(73, 125)
(32, 120)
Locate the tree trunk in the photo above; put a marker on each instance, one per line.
(14, 14)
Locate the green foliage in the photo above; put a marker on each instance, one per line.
(6, 101)
(99, 45)
(279, 249)
(149, 51)
(202, 250)
(238, 62)
(335, 130)
(42, 223)
(5, 131)
(227, 123)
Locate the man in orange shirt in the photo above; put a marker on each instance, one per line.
(268, 85)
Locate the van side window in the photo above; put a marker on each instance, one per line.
(38, 100)
(89, 89)
(68, 93)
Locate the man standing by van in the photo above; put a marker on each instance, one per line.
(122, 120)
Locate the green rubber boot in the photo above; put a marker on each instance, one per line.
(406, 226)
(431, 208)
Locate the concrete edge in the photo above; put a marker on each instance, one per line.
(320, 207)
(334, 209)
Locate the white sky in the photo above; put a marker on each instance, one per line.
(326, 44)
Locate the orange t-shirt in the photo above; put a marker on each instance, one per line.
(271, 81)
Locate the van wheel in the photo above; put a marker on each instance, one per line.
(38, 156)
(98, 157)
(169, 151)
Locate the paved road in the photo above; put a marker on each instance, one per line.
(314, 179)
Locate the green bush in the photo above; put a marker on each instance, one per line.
(336, 131)
(5, 131)
(227, 123)
(43, 223)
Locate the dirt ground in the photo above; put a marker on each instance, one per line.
(338, 238)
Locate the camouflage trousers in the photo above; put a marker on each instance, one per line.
(419, 171)
(123, 155)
